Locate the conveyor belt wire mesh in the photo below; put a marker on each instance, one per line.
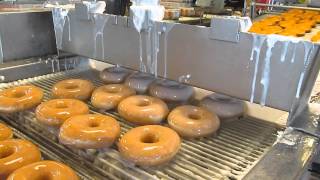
(229, 155)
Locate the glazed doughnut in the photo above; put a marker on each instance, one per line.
(114, 75)
(108, 96)
(55, 112)
(224, 106)
(50, 170)
(20, 98)
(192, 121)
(149, 145)
(171, 91)
(15, 153)
(5, 132)
(73, 89)
(143, 110)
(90, 131)
(139, 81)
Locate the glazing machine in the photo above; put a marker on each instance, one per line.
(277, 141)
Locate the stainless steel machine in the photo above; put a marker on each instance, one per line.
(222, 58)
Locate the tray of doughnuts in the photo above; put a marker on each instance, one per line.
(294, 22)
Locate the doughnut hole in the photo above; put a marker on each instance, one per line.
(149, 138)
(18, 94)
(194, 116)
(143, 103)
(61, 105)
(71, 86)
(6, 152)
(93, 123)
(43, 176)
(112, 89)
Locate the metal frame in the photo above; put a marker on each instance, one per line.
(26, 35)
(288, 159)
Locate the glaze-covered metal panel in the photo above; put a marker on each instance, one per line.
(188, 51)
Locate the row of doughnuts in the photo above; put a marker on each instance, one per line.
(25, 97)
(170, 92)
(21, 159)
(108, 97)
(294, 22)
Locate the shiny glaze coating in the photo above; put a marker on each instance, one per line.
(143, 110)
(224, 106)
(171, 91)
(72, 89)
(114, 75)
(149, 145)
(89, 131)
(109, 96)
(192, 121)
(139, 81)
(55, 112)
(5, 132)
(44, 170)
(20, 98)
(15, 153)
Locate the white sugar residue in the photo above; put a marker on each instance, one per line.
(152, 46)
(265, 79)
(308, 48)
(156, 42)
(256, 48)
(294, 53)
(185, 78)
(95, 6)
(59, 18)
(145, 13)
(149, 51)
(299, 85)
(69, 27)
(1, 51)
(284, 51)
(245, 23)
(166, 28)
(52, 65)
(100, 23)
(286, 137)
(139, 16)
(142, 66)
